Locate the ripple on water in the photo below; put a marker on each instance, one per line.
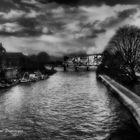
(67, 106)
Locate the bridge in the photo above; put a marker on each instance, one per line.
(82, 61)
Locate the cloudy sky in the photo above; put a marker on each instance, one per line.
(60, 27)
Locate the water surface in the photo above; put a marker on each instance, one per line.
(67, 106)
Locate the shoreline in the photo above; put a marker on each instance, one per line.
(17, 81)
(128, 98)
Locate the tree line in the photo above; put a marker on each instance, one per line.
(35, 62)
(121, 57)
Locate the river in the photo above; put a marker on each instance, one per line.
(66, 106)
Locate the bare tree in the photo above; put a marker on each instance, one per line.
(2, 50)
(121, 56)
(2, 53)
(126, 41)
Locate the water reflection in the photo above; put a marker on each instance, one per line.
(69, 106)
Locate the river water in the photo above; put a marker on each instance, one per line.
(66, 106)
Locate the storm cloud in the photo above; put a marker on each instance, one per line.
(91, 2)
(63, 27)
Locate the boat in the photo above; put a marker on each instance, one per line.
(25, 78)
(2, 85)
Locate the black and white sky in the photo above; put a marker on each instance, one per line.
(61, 27)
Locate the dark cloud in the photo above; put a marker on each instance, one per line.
(109, 2)
(23, 33)
(95, 33)
(52, 26)
(28, 27)
(99, 31)
(5, 33)
(20, 4)
(126, 13)
(67, 2)
(28, 23)
(5, 5)
(113, 21)
(93, 2)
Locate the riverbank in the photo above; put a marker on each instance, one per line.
(26, 78)
(130, 100)
(138, 76)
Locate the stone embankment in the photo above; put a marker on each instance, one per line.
(138, 76)
(127, 97)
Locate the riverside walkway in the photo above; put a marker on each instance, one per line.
(138, 76)
(127, 97)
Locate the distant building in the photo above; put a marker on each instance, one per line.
(2, 50)
(11, 73)
(2, 53)
(10, 64)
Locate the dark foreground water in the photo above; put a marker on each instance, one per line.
(67, 106)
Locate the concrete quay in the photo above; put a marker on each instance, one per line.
(130, 100)
(138, 76)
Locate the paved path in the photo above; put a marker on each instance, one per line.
(128, 98)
